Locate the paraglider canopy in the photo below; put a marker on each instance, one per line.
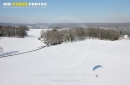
(96, 67)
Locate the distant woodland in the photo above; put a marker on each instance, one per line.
(58, 36)
(11, 31)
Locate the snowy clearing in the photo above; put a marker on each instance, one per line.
(65, 64)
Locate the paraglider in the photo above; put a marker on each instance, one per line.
(96, 67)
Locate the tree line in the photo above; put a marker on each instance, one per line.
(124, 31)
(58, 36)
(12, 31)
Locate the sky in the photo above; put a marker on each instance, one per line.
(63, 11)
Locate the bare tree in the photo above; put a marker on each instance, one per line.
(55, 36)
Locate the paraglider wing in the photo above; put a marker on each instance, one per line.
(98, 66)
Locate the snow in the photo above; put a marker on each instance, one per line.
(64, 64)
(126, 36)
(21, 44)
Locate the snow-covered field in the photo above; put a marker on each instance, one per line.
(65, 64)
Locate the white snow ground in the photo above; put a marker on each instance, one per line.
(65, 64)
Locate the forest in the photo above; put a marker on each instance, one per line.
(58, 36)
(12, 31)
